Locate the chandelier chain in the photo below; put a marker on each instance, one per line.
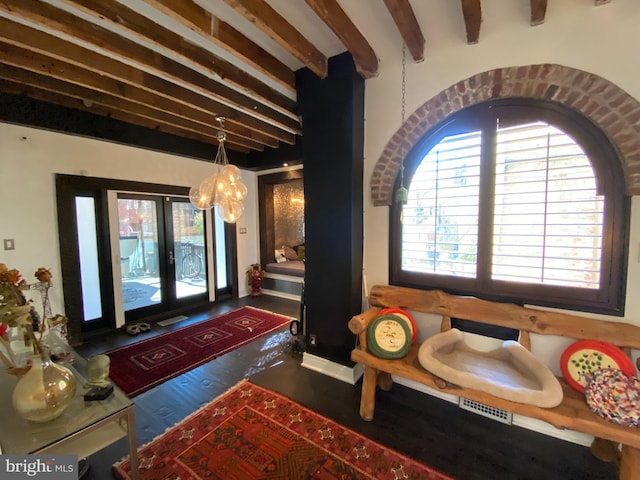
(402, 192)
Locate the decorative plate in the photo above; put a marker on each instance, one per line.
(406, 316)
(389, 336)
(583, 357)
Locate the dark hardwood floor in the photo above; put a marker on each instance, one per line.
(459, 443)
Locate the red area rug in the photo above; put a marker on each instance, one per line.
(252, 433)
(142, 365)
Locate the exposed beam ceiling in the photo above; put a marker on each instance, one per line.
(143, 29)
(228, 38)
(176, 66)
(268, 21)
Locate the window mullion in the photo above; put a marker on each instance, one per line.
(487, 193)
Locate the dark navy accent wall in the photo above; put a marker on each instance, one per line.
(332, 111)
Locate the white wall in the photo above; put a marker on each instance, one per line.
(600, 40)
(29, 159)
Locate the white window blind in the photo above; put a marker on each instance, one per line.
(440, 220)
(548, 216)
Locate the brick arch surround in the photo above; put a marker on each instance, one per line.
(608, 106)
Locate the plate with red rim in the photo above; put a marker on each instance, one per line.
(406, 316)
(584, 356)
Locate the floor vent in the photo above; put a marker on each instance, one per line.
(486, 411)
(172, 320)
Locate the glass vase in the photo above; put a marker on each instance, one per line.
(45, 391)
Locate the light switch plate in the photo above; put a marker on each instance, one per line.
(9, 244)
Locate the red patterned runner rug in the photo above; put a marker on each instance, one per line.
(142, 365)
(252, 433)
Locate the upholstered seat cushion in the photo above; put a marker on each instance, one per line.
(295, 268)
(510, 372)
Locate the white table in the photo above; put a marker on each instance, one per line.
(83, 429)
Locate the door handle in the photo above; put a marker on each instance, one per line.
(170, 257)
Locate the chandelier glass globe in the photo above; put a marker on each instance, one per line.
(224, 188)
(230, 210)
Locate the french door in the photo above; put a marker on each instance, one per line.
(141, 254)
(163, 254)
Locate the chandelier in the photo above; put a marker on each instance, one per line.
(224, 188)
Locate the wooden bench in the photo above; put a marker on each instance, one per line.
(573, 413)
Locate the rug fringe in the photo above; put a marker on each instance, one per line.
(269, 311)
(117, 464)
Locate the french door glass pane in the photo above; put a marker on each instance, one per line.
(189, 241)
(88, 248)
(221, 253)
(139, 253)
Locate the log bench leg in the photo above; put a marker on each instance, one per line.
(384, 381)
(605, 450)
(629, 463)
(368, 395)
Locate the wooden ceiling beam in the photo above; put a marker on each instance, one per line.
(139, 26)
(228, 38)
(472, 13)
(405, 20)
(167, 102)
(48, 46)
(252, 114)
(52, 90)
(272, 24)
(253, 138)
(332, 14)
(538, 12)
(35, 93)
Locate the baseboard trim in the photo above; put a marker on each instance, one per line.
(332, 369)
(548, 429)
(275, 293)
(421, 387)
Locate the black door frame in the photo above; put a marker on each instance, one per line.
(67, 188)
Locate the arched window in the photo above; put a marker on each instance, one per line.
(518, 200)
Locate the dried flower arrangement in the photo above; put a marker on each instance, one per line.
(16, 311)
